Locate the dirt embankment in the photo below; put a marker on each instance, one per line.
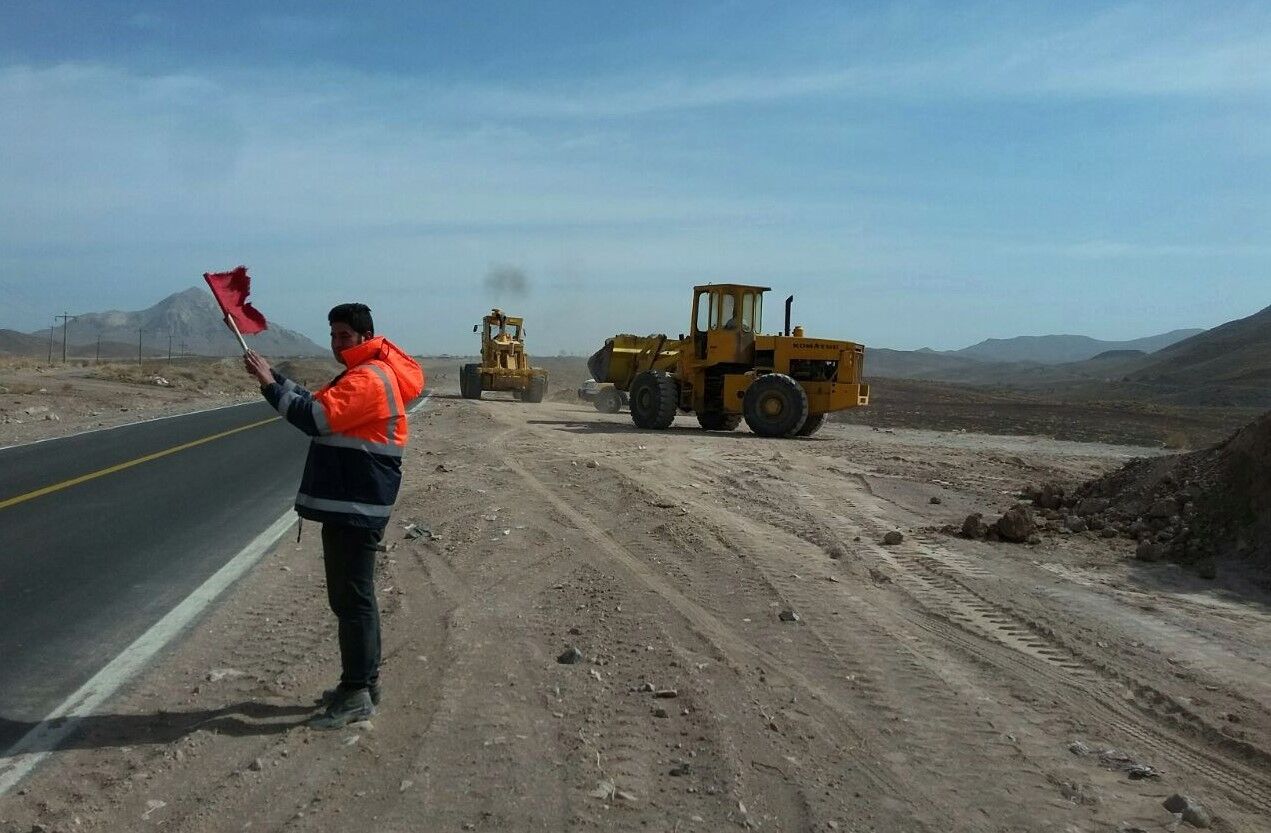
(753, 655)
(1198, 507)
(1204, 509)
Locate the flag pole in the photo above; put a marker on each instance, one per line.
(229, 319)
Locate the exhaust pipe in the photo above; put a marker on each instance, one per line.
(789, 303)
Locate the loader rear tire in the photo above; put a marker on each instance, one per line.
(536, 391)
(609, 401)
(775, 405)
(470, 381)
(812, 425)
(654, 399)
(718, 421)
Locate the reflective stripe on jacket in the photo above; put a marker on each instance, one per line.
(359, 431)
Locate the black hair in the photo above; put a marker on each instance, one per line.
(357, 316)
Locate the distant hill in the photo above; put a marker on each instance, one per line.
(933, 365)
(1062, 349)
(1118, 355)
(1230, 364)
(1226, 366)
(192, 319)
(13, 343)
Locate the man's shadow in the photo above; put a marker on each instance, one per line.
(100, 731)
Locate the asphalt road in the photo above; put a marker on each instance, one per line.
(88, 567)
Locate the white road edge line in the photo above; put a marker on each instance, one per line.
(421, 403)
(18, 761)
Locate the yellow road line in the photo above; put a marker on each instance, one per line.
(75, 481)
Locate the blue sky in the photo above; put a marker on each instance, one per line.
(917, 174)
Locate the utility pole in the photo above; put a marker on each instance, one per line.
(51, 328)
(98, 360)
(66, 320)
(169, 347)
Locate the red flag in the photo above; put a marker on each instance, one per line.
(231, 290)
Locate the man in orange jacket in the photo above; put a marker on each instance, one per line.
(350, 483)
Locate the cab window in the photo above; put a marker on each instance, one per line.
(725, 314)
(703, 322)
(748, 312)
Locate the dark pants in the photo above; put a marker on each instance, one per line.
(348, 552)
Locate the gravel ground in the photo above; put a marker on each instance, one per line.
(811, 677)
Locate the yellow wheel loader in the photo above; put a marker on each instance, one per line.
(504, 363)
(725, 370)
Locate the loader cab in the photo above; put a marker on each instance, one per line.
(726, 318)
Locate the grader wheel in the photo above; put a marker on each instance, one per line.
(470, 381)
(537, 389)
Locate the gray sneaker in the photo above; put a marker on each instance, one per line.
(348, 707)
(328, 696)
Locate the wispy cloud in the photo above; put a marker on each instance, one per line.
(895, 168)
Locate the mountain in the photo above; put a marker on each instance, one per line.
(932, 365)
(13, 343)
(1230, 364)
(189, 321)
(1062, 349)
(1227, 366)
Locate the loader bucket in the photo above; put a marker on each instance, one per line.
(598, 364)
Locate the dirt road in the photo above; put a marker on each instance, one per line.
(938, 684)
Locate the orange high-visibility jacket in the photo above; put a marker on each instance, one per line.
(358, 425)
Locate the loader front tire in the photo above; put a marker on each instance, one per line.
(812, 425)
(654, 399)
(470, 381)
(775, 405)
(718, 420)
(609, 401)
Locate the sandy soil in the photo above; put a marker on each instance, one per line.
(936, 685)
(39, 401)
(1063, 415)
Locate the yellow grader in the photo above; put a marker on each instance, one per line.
(504, 363)
(725, 370)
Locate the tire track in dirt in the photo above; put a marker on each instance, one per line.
(742, 652)
(940, 606)
(855, 647)
(616, 723)
(938, 581)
